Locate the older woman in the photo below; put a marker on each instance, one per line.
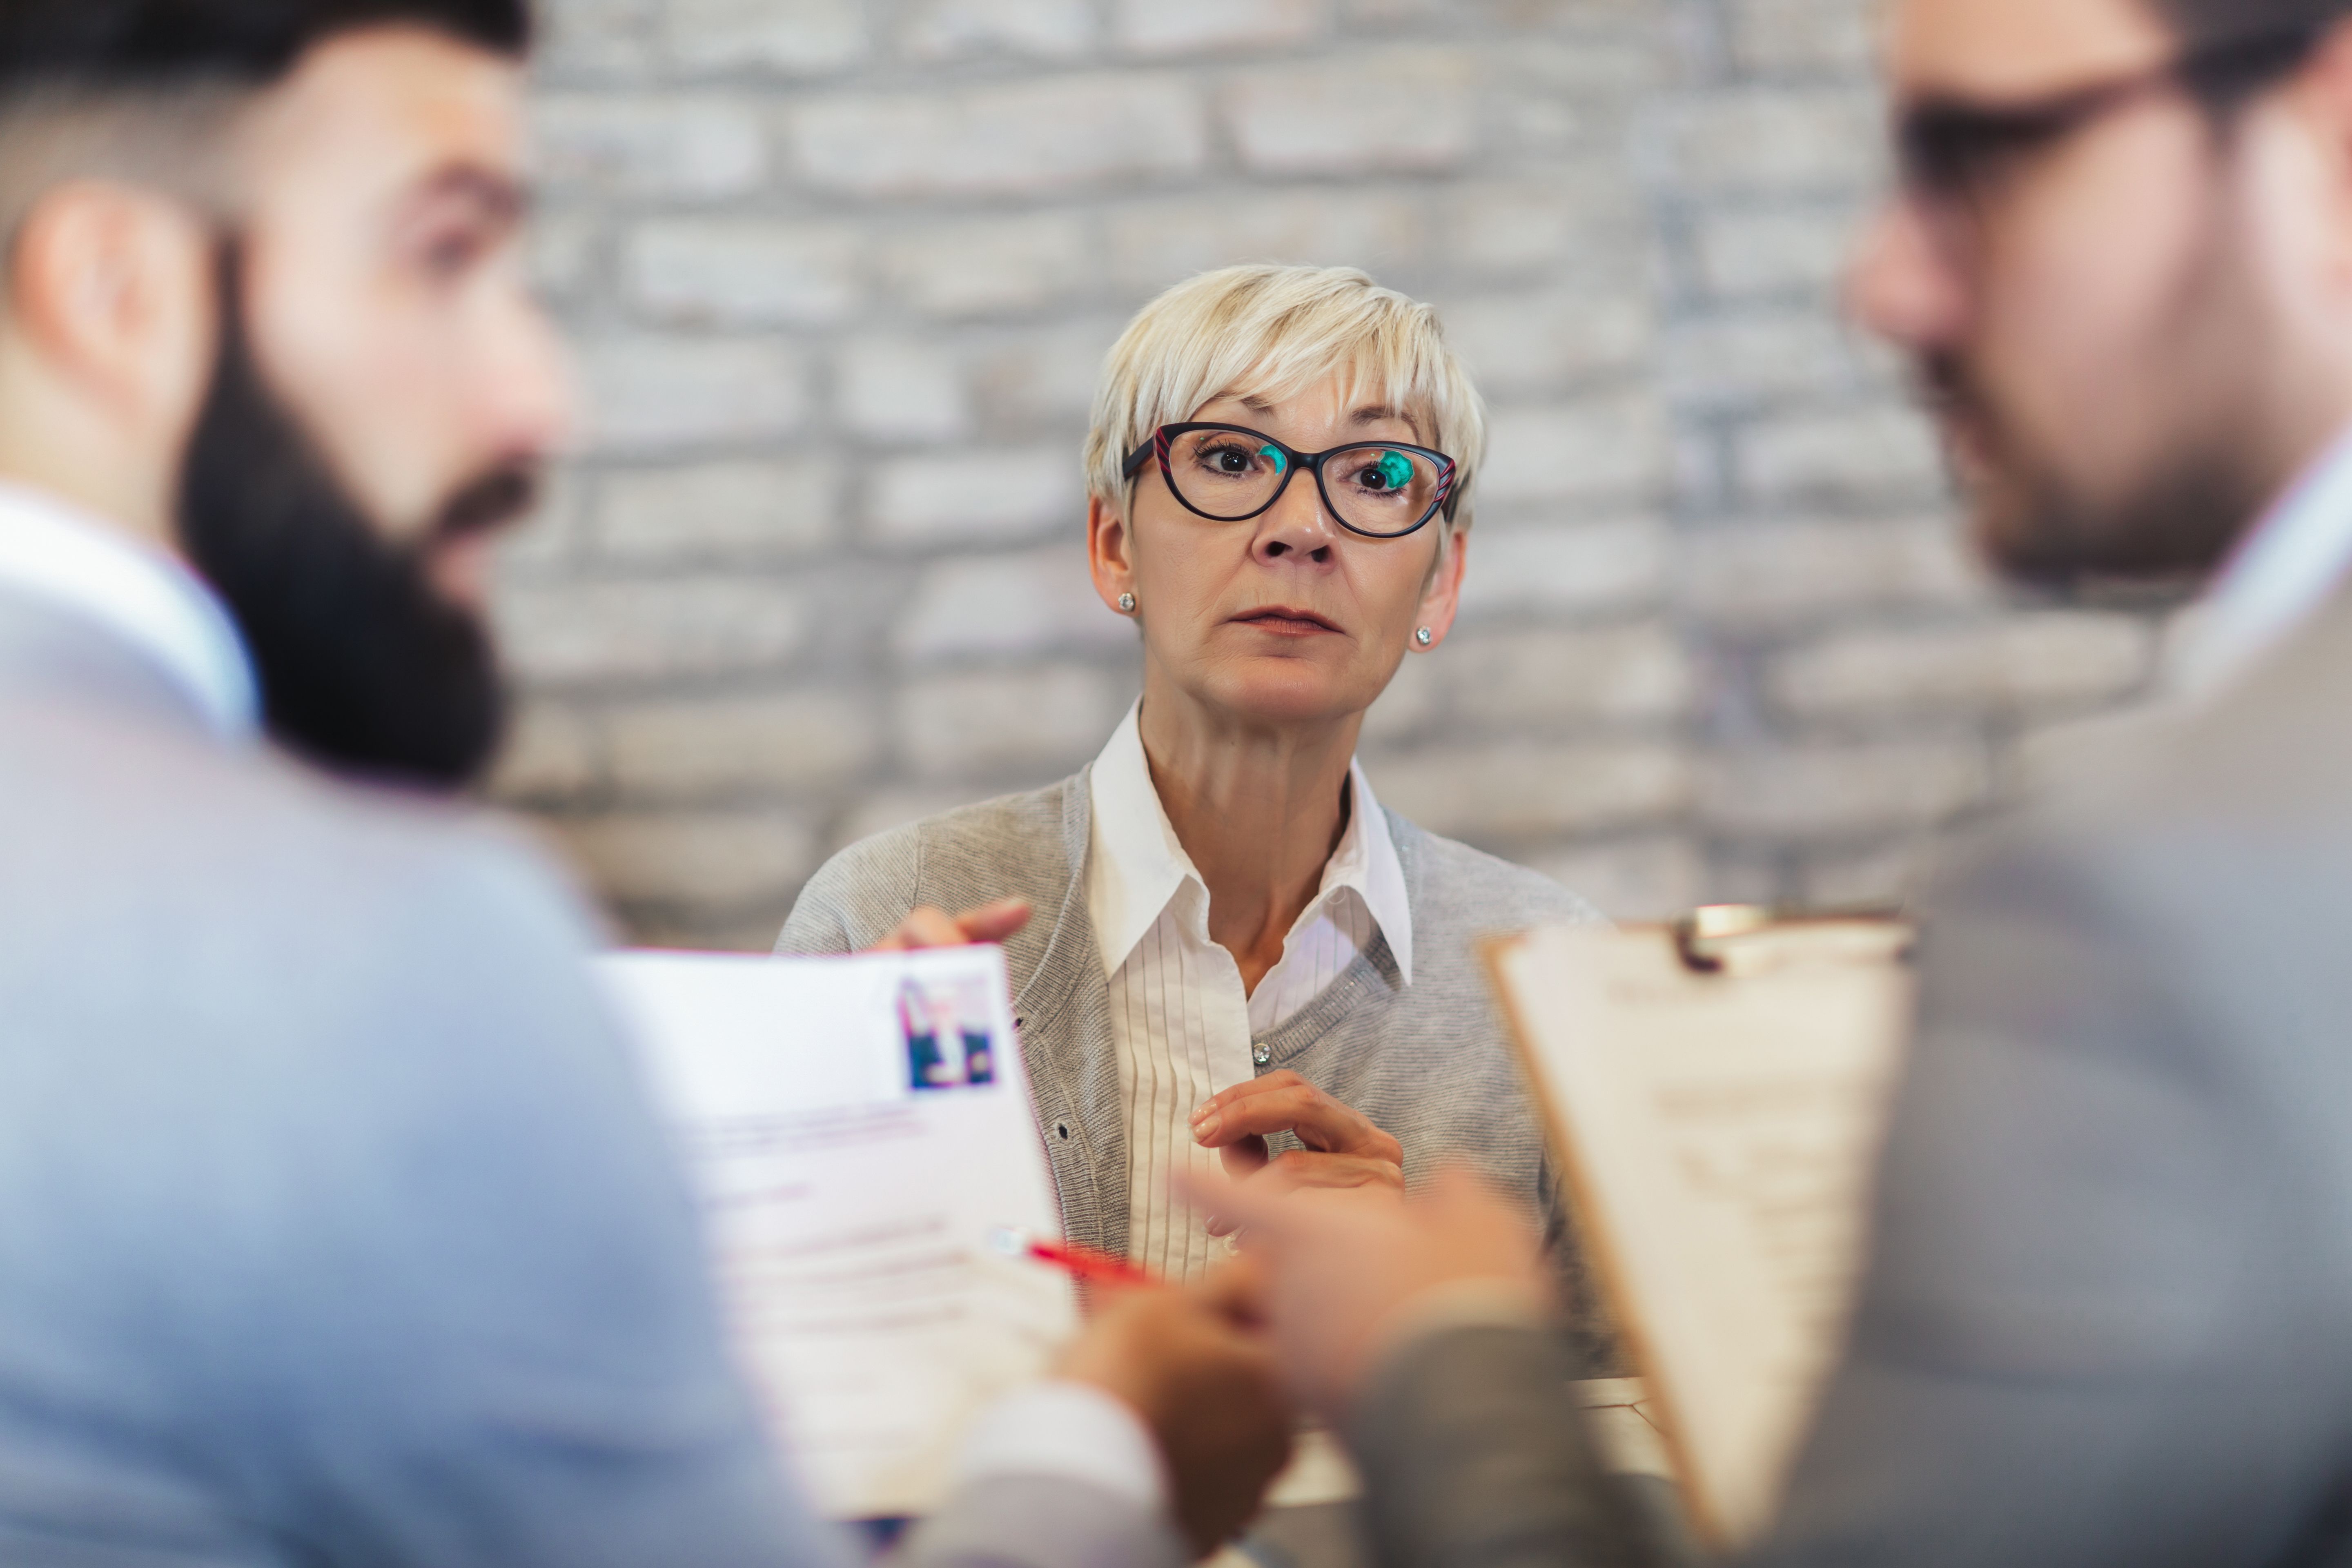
(1234, 948)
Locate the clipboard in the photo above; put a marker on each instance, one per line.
(1716, 1092)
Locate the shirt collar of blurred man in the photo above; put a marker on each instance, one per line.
(1139, 866)
(143, 596)
(2295, 562)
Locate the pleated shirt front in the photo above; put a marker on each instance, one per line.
(1182, 1025)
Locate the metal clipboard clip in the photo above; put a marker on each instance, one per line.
(1745, 939)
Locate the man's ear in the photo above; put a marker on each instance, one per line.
(112, 289)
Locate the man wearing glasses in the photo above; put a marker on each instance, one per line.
(2105, 1320)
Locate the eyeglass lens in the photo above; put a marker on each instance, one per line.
(1231, 475)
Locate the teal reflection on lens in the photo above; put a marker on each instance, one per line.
(1395, 470)
(1281, 463)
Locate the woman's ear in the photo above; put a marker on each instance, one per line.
(1110, 556)
(1441, 598)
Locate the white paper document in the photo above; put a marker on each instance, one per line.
(858, 1129)
(1718, 1131)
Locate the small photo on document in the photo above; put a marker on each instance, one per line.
(950, 1044)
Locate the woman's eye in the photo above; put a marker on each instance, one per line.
(1385, 474)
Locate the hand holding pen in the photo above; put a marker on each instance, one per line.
(1083, 1263)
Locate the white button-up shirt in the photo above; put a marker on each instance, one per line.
(1182, 1025)
(145, 598)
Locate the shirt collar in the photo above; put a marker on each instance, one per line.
(1138, 865)
(142, 596)
(2288, 567)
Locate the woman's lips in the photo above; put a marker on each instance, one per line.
(1281, 620)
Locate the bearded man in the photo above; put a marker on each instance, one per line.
(2105, 1316)
(334, 1226)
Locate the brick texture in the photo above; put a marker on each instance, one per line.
(840, 273)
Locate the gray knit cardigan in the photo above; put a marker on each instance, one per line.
(1426, 1062)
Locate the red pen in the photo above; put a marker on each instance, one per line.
(1078, 1262)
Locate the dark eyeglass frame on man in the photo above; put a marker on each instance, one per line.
(1160, 448)
(1953, 155)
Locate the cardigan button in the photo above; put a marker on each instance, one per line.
(1263, 1055)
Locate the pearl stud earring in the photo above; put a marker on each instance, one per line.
(1424, 636)
(1127, 604)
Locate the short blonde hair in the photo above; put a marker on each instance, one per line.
(1275, 331)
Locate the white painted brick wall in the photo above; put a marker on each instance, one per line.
(1041, 29)
(733, 273)
(1358, 112)
(1002, 141)
(1154, 26)
(652, 395)
(676, 147)
(840, 273)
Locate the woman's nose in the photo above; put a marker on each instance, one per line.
(1298, 527)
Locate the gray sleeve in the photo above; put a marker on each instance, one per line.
(1475, 1455)
(2090, 1331)
(1018, 1522)
(857, 898)
(481, 1308)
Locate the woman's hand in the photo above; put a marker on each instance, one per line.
(928, 927)
(1343, 1149)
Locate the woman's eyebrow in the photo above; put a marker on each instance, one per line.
(1381, 414)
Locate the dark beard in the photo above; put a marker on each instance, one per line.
(365, 668)
(2219, 444)
(2174, 526)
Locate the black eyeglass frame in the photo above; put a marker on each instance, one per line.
(1954, 152)
(1447, 500)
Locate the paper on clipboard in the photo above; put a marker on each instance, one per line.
(1718, 1128)
(857, 1128)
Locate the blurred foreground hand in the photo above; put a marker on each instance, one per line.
(928, 927)
(1343, 1149)
(1349, 1273)
(1195, 1364)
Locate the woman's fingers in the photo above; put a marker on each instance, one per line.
(928, 927)
(994, 923)
(1285, 1102)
